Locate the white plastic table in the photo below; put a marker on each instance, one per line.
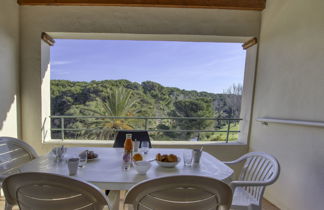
(107, 173)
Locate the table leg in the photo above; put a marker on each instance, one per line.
(122, 200)
(114, 199)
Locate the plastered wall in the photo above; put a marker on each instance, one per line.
(9, 67)
(290, 85)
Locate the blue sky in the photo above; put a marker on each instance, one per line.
(201, 66)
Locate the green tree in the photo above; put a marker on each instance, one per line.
(118, 103)
(199, 107)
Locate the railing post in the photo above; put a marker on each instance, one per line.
(146, 123)
(62, 128)
(228, 129)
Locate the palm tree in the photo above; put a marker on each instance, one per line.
(118, 103)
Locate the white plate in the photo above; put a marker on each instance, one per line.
(169, 164)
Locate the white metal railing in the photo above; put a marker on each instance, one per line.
(62, 129)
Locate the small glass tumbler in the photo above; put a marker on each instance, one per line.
(136, 145)
(73, 164)
(83, 156)
(187, 158)
(196, 155)
(145, 146)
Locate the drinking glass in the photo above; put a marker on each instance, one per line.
(72, 164)
(145, 146)
(196, 154)
(136, 145)
(83, 156)
(187, 158)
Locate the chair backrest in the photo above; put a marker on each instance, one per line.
(14, 153)
(180, 193)
(39, 191)
(261, 167)
(138, 135)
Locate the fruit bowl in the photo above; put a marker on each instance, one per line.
(169, 164)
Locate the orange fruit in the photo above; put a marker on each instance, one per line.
(137, 157)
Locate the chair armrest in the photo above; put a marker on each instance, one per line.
(230, 162)
(234, 161)
(248, 183)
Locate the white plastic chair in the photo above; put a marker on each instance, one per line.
(180, 193)
(40, 191)
(259, 170)
(14, 153)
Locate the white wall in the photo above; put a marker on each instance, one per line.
(133, 20)
(9, 67)
(45, 90)
(290, 85)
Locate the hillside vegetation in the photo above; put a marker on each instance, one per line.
(147, 99)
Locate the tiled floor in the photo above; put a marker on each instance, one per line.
(266, 205)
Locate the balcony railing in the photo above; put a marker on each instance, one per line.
(223, 124)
